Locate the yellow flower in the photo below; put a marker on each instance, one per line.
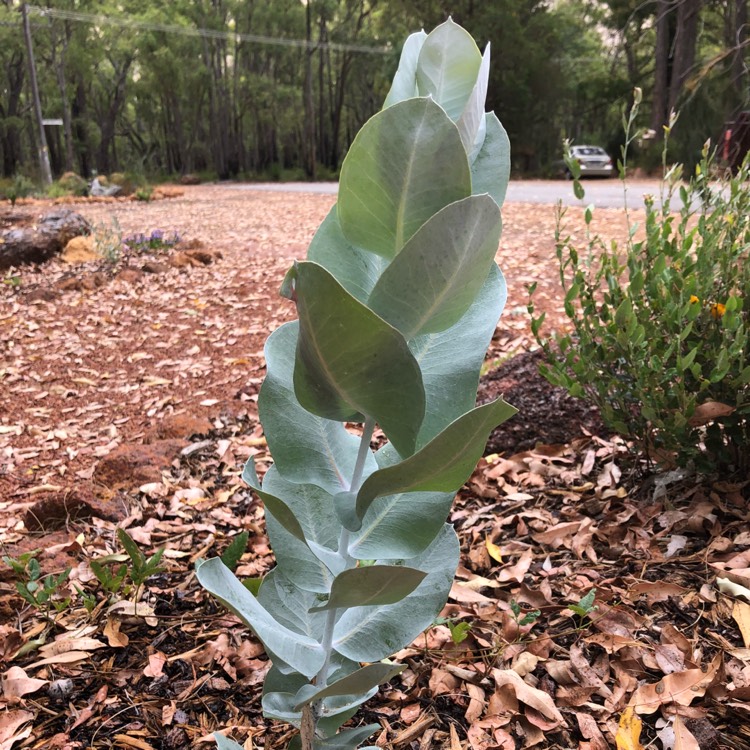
(718, 310)
(693, 299)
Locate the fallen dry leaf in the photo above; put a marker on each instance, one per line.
(527, 694)
(16, 683)
(10, 727)
(683, 739)
(741, 615)
(679, 687)
(628, 735)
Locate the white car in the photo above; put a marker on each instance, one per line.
(594, 162)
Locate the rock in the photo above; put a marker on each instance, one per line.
(134, 464)
(69, 284)
(190, 179)
(42, 294)
(153, 266)
(80, 250)
(99, 187)
(38, 242)
(56, 510)
(126, 185)
(129, 275)
(93, 281)
(178, 426)
(194, 257)
(166, 191)
(206, 257)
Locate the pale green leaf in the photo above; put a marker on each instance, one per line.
(306, 448)
(313, 561)
(356, 683)
(404, 84)
(445, 463)
(350, 363)
(291, 606)
(400, 526)
(387, 192)
(224, 743)
(490, 170)
(373, 585)
(448, 67)
(298, 651)
(281, 511)
(451, 361)
(373, 633)
(471, 124)
(434, 280)
(355, 269)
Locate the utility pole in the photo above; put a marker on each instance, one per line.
(43, 150)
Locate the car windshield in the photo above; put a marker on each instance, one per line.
(588, 151)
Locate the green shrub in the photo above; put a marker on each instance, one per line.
(659, 339)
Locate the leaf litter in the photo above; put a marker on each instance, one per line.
(592, 608)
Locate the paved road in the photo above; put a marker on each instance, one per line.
(601, 193)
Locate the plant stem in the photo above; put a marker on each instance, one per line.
(311, 713)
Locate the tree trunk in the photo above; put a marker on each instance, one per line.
(107, 156)
(309, 129)
(660, 108)
(11, 133)
(685, 40)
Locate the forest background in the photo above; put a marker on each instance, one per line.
(277, 89)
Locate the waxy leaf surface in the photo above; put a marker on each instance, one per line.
(444, 463)
(350, 363)
(448, 67)
(435, 278)
(306, 448)
(298, 651)
(356, 683)
(490, 171)
(451, 360)
(404, 84)
(373, 633)
(405, 164)
(372, 585)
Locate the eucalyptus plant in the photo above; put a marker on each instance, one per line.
(397, 303)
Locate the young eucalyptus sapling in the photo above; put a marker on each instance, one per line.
(397, 303)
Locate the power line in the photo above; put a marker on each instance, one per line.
(97, 19)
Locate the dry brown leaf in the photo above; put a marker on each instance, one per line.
(708, 412)
(69, 657)
(476, 703)
(741, 615)
(10, 727)
(683, 738)
(628, 735)
(524, 693)
(115, 638)
(124, 740)
(679, 687)
(16, 683)
(70, 644)
(156, 662)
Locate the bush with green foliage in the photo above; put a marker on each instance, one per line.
(660, 333)
(397, 303)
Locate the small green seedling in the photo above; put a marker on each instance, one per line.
(585, 606)
(523, 617)
(459, 629)
(233, 553)
(138, 571)
(42, 592)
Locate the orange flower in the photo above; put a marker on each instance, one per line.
(693, 299)
(718, 310)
